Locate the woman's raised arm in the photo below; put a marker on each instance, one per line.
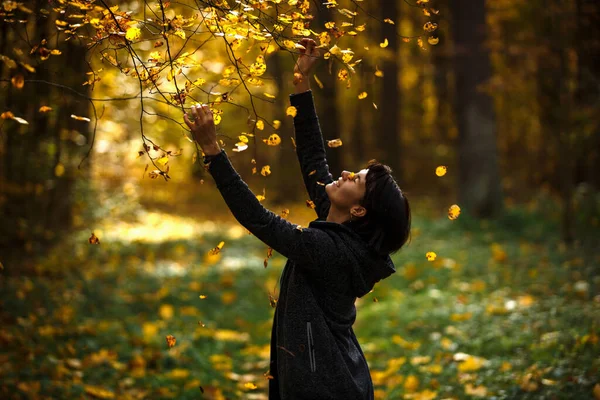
(309, 139)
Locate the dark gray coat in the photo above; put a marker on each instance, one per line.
(314, 352)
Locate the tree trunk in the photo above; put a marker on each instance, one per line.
(36, 193)
(479, 182)
(389, 102)
(325, 100)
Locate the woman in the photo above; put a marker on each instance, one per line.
(362, 218)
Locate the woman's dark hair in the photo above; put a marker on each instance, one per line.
(386, 225)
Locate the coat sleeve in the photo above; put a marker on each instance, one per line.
(306, 246)
(310, 149)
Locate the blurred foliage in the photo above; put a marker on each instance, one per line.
(504, 311)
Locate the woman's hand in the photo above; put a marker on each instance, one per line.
(203, 128)
(308, 57)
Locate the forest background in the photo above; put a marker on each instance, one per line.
(114, 237)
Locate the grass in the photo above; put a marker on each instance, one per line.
(505, 312)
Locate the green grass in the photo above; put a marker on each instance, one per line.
(506, 296)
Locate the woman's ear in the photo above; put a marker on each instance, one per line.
(358, 211)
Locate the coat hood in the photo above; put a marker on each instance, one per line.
(365, 265)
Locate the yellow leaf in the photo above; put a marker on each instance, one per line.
(273, 140)
(389, 21)
(433, 40)
(384, 44)
(276, 124)
(362, 95)
(319, 83)
(166, 311)
(430, 26)
(133, 33)
(471, 363)
(98, 392)
(453, 212)
(171, 340)
(260, 125)
(180, 33)
(411, 384)
(269, 95)
(217, 249)
(479, 391)
(259, 196)
(45, 109)
(179, 373)
(334, 143)
(342, 74)
(59, 170)
(250, 385)
(266, 170)
(378, 72)
(18, 81)
(430, 256)
(291, 111)
(78, 118)
(440, 171)
(202, 296)
(163, 160)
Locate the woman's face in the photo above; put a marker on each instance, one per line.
(348, 190)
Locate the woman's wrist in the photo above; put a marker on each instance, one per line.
(301, 84)
(211, 149)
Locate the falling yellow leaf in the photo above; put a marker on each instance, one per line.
(384, 44)
(319, 83)
(133, 34)
(432, 40)
(202, 296)
(375, 106)
(250, 385)
(430, 26)
(217, 249)
(441, 170)
(276, 124)
(310, 204)
(378, 72)
(453, 212)
(78, 118)
(171, 341)
(45, 109)
(265, 171)
(59, 170)
(94, 239)
(334, 143)
(343, 74)
(362, 95)
(430, 256)
(389, 21)
(291, 111)
(18, 81)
